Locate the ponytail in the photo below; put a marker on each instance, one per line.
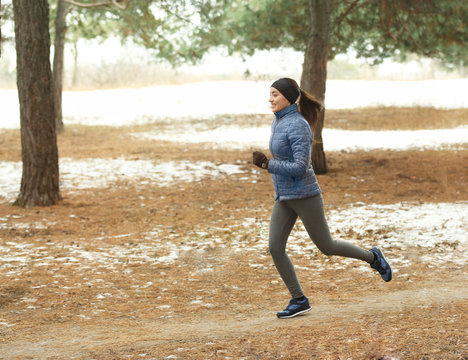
(309, 106)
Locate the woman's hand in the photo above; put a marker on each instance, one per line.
(259, 159)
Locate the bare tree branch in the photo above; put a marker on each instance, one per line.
(121, 4)
(82, 5)
(386, 26)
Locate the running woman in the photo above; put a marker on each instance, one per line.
(297, 192)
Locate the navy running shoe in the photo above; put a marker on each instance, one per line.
(381, 264)
(295, 307)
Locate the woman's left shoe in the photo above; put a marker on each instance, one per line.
(295, 307)
(381, 264)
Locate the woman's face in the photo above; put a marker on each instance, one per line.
(277, 101)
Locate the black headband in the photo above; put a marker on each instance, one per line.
(289, 91)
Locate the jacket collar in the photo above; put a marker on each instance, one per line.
(288, 110)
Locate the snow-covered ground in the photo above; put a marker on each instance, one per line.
(443, 227)
(101, 173)
(119, 107)
(440, 230)
(204, 99)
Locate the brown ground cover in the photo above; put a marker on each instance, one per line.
(87, 278)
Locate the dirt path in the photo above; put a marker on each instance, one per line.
(118, 337)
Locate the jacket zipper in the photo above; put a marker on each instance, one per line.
(271, 140)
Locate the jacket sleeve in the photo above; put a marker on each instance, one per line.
(300, 140)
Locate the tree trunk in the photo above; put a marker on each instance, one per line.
(75, 65)
(59, 47)
(314, 71)
(40, 179)
(0, 30)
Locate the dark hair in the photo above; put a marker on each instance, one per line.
(309, 106)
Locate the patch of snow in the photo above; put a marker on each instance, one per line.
(100, 173)
(441, 228)
(5, 324)
(234, 137)
(424, 225)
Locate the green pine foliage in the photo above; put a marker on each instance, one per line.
(374, 29)
(184, 30)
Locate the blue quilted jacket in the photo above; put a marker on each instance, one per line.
(291, 146)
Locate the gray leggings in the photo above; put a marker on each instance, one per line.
(311, 212)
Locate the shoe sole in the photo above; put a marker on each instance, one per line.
(296, 314)
(383, 256)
